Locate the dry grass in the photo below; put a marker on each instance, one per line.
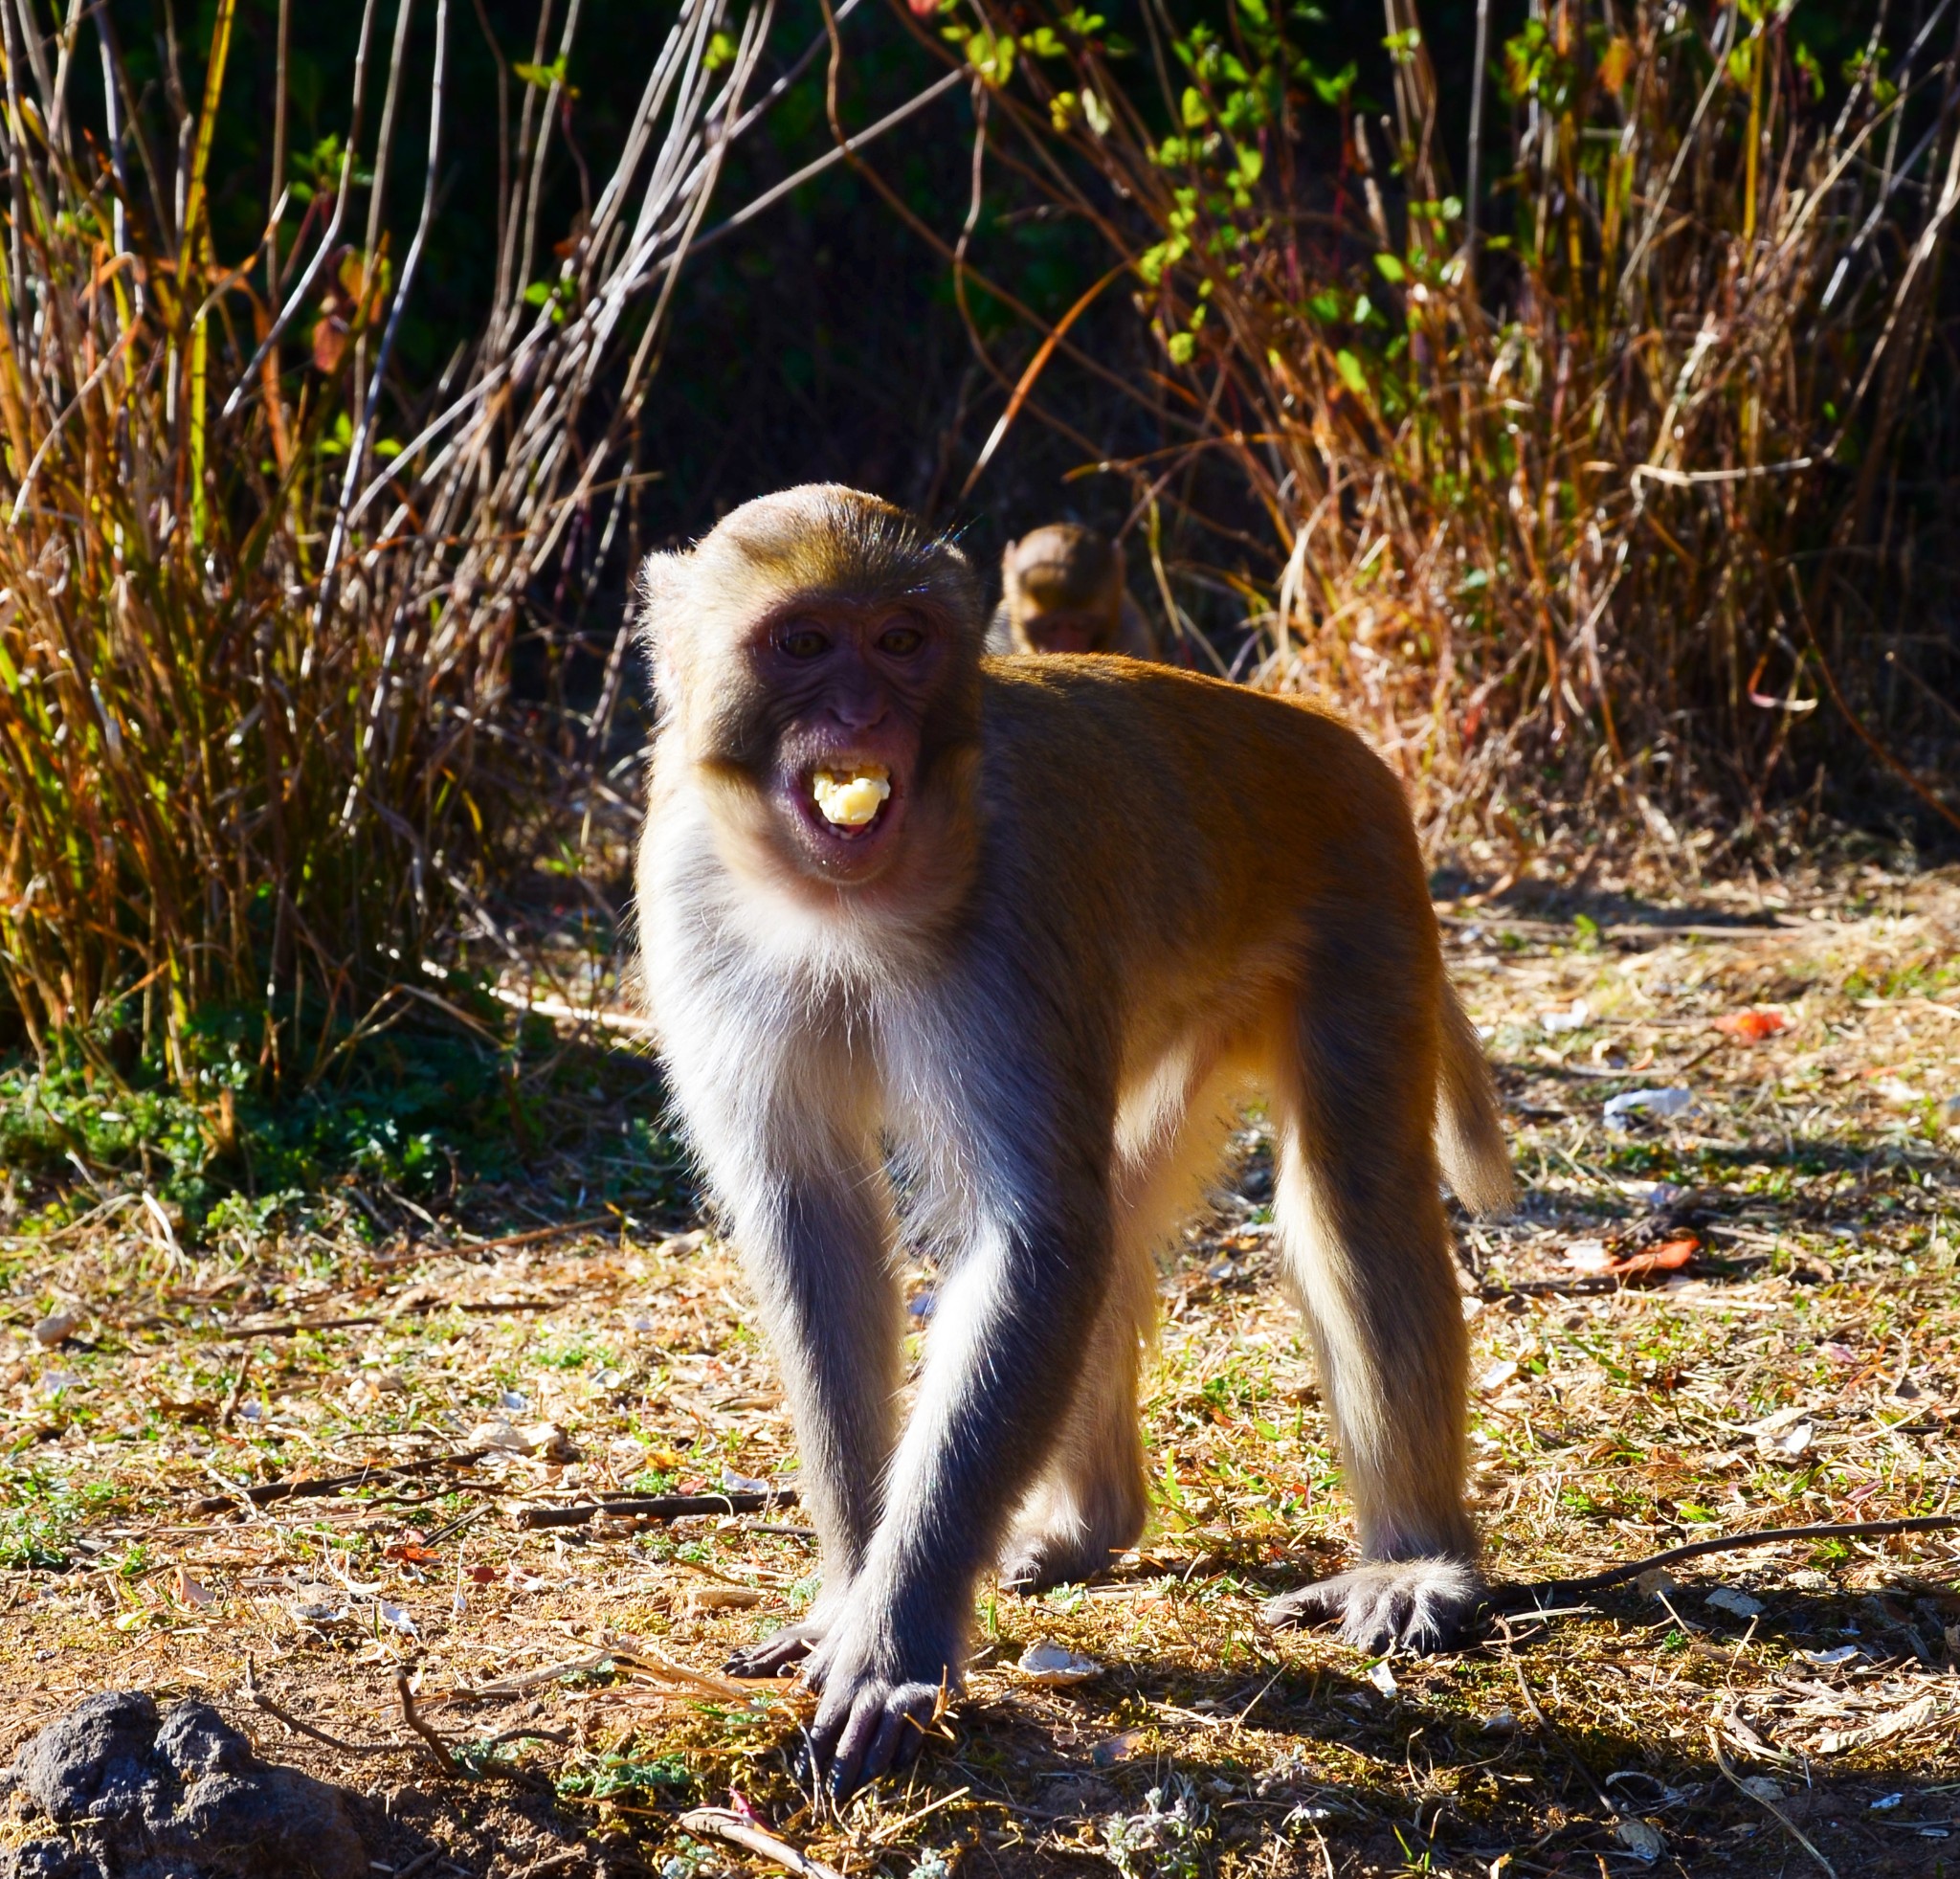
(259, 594)
(1587, 480)
(1804, 1367)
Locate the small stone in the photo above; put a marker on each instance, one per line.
(1727, 1599)
(1640, 1840)
(54, 1327)
(1048, 1663)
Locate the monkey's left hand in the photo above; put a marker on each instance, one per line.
(871, 1728)
(878, 1705)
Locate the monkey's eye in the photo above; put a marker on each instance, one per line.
(803, 641)
(901, 641)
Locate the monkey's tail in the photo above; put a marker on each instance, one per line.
(1470, 1139)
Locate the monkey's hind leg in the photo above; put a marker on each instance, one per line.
(1366, 1248)
(1091, 1504)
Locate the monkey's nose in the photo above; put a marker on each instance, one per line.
(855, 713)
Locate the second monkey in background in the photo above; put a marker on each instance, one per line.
(1063, 591)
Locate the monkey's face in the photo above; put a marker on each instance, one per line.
(847, 694)
(817, 660)
(1066, 630)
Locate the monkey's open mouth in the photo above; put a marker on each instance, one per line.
(852, 798)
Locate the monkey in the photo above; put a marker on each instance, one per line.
(1027, 934)
(1063, 591)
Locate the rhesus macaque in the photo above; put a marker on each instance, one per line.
(1030, 934)
(1063, 591)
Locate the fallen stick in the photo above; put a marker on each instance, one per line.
(243, 1333)
(725, 1824)
(1524, 1599)
(259, 1700)
(269, 1491)
(236, 1395)
(438, 1747)
(467, 1247)
(658, 1506)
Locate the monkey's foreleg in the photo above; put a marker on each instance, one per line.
(817, 1257)
(1001, 1373)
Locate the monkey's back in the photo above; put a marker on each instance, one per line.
(1217, 816)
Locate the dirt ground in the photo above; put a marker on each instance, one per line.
(1734, 1314)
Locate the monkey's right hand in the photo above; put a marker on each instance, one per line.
(779, 1654)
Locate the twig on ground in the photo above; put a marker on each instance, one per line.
(259, 1700)
(1789, 1825)
(294, 1326)
(445, 1759)
(450, 1528)
(548, 1673)
(268, 1491)
(551, 1863)
(236, 1395)
(468, 1248)
(1524, 1599)
(658, 1506)
(725, 1824)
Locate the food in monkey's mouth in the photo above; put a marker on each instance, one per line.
(851, 799)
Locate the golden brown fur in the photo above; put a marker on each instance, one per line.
(1104, 904)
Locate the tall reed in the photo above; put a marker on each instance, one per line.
(1592, 483)
(256, 598)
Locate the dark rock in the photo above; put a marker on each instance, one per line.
(48, 1859)
(177, 1796)
(95, 1761)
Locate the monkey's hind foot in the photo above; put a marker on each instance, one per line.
(1421, 1603)
(1035, 1563)
(778, 1655)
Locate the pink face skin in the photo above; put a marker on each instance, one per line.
(849, 688)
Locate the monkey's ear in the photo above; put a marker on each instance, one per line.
(660, 598)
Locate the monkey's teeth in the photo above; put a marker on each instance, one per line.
(850, 801)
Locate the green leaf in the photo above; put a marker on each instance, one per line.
(1351, 374)
(544, 77)
(1181, 346)
(1333, 87)
(1043, 44)
(1392, 269)
(721, 52)
(993, 57)
(1194, 111)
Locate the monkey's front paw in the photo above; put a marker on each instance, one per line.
(779, 1654)
(1422, 1603)
(868, 1727)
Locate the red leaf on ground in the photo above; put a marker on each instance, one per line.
(1670, 1256)
(1751, 1027)
(415, 1556)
